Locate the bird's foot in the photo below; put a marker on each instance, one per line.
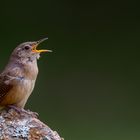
(17, 109)
(23, 111)
(32, 113)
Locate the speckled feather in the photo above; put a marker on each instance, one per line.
(4, 88)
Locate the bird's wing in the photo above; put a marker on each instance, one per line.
(8, 79)
(4, 87)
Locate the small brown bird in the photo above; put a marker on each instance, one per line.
(18, 78)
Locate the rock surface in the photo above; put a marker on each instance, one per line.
(24, 125)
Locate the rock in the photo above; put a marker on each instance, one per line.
(24, 125)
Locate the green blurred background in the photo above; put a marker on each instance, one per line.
(88, 88)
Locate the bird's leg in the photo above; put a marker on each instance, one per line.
(21, 110)
(17, 109)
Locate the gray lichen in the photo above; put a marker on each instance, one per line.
(21, 129)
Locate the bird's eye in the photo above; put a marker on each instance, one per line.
(26, 47)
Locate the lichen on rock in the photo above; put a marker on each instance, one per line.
(24, 125)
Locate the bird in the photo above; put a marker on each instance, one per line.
(18, 78)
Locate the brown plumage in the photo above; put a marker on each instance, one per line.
(18, 78)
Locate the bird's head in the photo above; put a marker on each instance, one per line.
(28, 50)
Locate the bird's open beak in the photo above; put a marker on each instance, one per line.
(34, 46)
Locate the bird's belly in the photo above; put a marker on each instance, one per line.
(19, 94)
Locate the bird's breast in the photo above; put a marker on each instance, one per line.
(30, 71)
(20, 93)
(26, 85)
